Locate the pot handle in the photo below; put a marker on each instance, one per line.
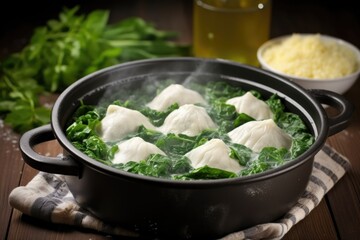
(62, 165)
(345, 109)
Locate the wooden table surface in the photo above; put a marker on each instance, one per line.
(338, 214)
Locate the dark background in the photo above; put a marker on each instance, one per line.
(18, 19)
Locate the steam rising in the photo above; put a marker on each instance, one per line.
(147, 86)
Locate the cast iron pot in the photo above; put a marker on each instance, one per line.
(183, 209)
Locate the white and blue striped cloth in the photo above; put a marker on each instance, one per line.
(47, 197)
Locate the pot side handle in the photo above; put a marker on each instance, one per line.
(42, 134)
(340, 103)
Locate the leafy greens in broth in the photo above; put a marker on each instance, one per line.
(84, 134)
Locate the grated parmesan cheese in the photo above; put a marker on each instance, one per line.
(311, 56)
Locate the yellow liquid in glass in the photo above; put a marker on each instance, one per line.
(232, 30)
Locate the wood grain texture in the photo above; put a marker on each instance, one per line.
(320, 226)
(10, 173)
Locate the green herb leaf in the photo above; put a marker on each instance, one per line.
(68, 48)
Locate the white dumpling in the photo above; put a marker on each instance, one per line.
(175, 93)
(135, 149)
(259, 134)
(214, 153)
(252, 106)
(120, 121)
(188, 119)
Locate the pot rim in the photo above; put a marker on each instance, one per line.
(308, 155)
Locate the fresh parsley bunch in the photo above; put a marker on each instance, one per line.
(67, 49)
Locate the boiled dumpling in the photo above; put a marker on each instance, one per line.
(214, 153)
(252, 106)
(120, 121)
(135, 149)
(188, 119)
(175, 93)
(259, 134)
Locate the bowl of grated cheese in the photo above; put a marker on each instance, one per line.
(313, 61)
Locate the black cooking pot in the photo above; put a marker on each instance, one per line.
(184, 209)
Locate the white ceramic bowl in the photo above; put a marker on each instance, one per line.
(339, 85)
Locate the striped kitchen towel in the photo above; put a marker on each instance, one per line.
(47, 197)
